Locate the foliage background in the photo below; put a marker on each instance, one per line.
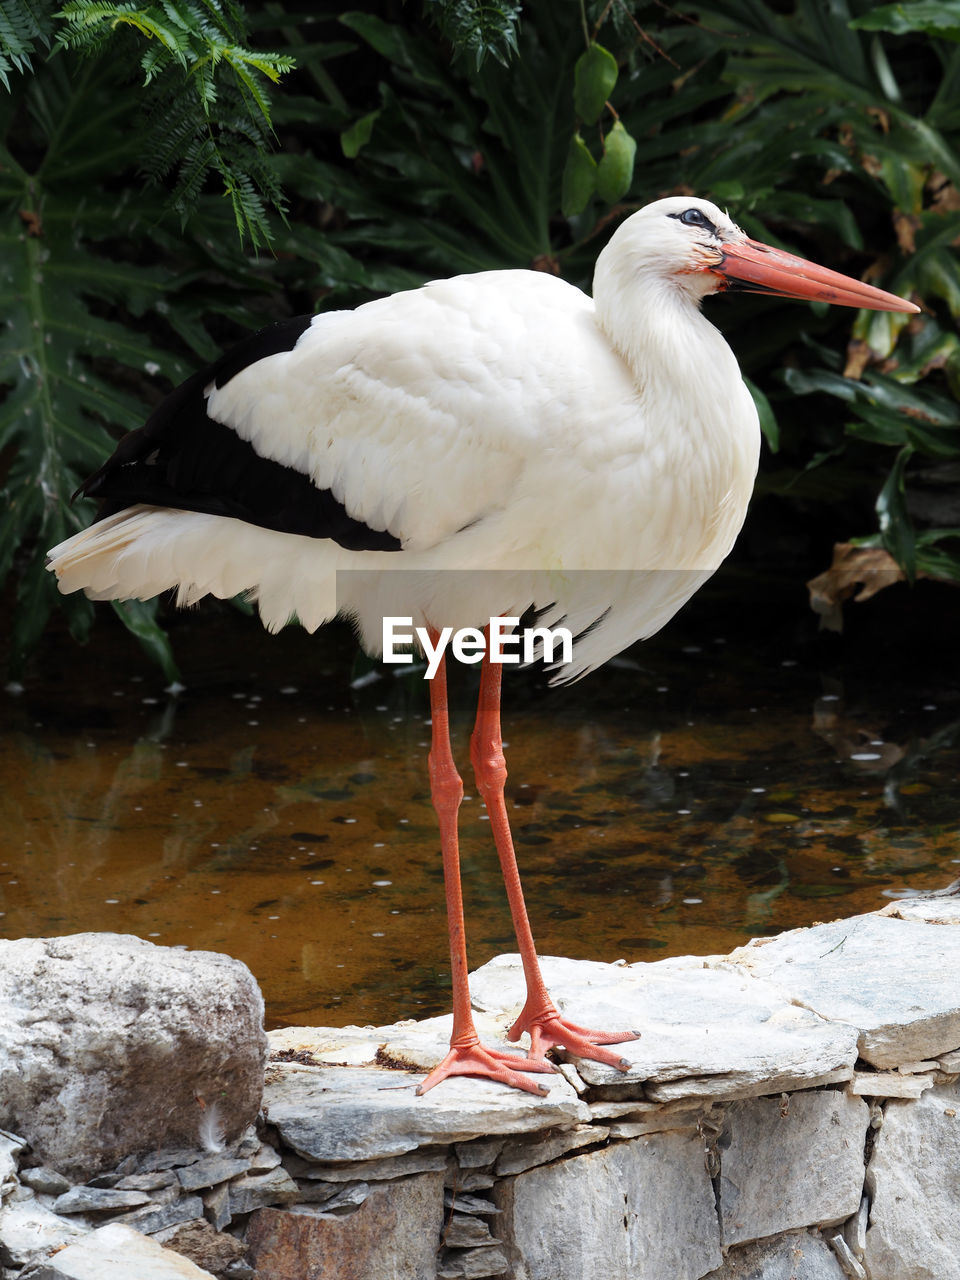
(171, 175)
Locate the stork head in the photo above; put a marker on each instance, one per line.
(692, 245)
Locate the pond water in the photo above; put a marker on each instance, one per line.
(737, 775)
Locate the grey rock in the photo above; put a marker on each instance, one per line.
(158, 1215)
(216, 1205)
(107, 1041)
(47, 1181)
(147, 1181)
(473, 1264)
(789, 1164)
(850, 1263)
(239, 1270)
(888, 1084)
(10, 1148)
(257, 1190)
(461, 1231)
(468, 1179)
(175, 1158)
(30, 1232)
(941, 906)
(249, 1143)
(463, 1202)
(426, 1160)
(893, 979)
(479, 1154)
(518, 1156)
(712, 1033)
(104, 1180)
(98, 1200)
(794, 1256)
(643, 1208)
(341, 1113)
(914, 1231)
(340, 1197)
(116, 1252)
(855, 1229)
(211, 1170)
(321, 1193)
(263, 1158)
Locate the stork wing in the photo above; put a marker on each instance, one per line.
(415, 415)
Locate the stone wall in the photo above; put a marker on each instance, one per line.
(791, 1114)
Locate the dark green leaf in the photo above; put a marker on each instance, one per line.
(579, 178)
(594, 77)
(896, 527)
(140, 618)
(615, 170)
(934, 17)
(768, 419)
(358, 134)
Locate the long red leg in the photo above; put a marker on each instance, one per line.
(467, 1055)
(539, 1016)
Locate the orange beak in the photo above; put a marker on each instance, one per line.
(756, 268)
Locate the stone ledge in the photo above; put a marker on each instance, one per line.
(781, 1118)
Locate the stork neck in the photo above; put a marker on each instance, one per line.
(656, 326)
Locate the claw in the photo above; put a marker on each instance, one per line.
(474, 1060)
(549, 1030)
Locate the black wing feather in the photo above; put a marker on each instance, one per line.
(181, 458)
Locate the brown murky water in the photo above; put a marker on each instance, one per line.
(736, 775)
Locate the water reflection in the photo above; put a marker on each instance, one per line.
(687, 797)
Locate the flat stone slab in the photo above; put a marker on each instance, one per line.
(893, 979)
(31, 1232)
(366, 1113)
(941, 906)
(704, 1032)
(116, 1252)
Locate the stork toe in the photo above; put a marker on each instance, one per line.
(474, 1059)
(551, 1031)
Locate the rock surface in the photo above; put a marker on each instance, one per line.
(704, 1032)
(790, 1162)
(116, 1252)
(797, 1256)
(373, 1241)
(30, 1232)
(914, 1184)
(107, 1041)
(364, 1113)
(639, 1210)
(893, 979)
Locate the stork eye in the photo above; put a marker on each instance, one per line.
(694, 218)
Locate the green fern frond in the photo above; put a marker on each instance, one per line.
(23, 27)
(478, 28)
(201, 79)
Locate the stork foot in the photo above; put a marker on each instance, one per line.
(472, 1059)
(548, 1030)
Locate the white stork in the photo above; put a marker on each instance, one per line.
(493, 436)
